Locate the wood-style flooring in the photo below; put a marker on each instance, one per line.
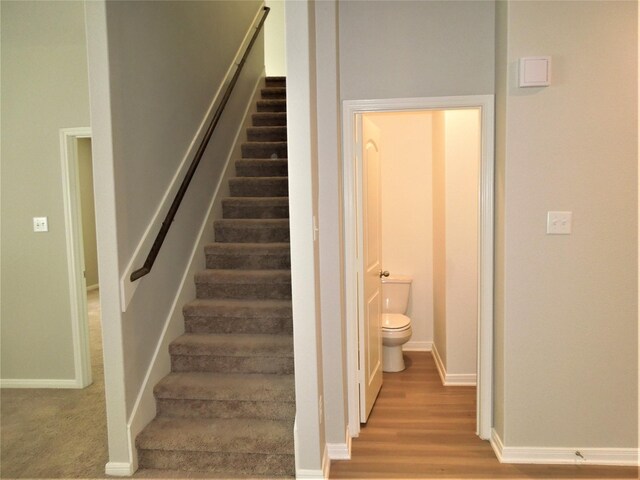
(421, 429)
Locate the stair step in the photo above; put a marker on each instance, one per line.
(221, 445)
(262, 167)
(267, 134)
(244, 284)
(274, 92)
(272, 105)
(255, 207)
(232, 353)
(259, 186)
(212, 315)
(222, 395)
(248, 256)
(271, 150)
(276, 82)
(251, 230)
(262, 119)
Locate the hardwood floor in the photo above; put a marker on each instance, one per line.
(421, 429)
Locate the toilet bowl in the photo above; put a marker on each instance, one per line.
(396, 327)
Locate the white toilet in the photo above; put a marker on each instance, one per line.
(396, 327)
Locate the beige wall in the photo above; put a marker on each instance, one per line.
(44, 89)
(85, 174)
(274, 51)
(407, 236)
(416, 49)
(567, 305)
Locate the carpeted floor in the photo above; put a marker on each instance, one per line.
(57, 433)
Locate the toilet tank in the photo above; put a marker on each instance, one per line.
(395, 293)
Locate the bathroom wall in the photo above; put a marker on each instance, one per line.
(407, 236)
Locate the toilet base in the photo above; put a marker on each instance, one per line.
(392, 359)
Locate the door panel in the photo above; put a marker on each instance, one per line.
(371, 306)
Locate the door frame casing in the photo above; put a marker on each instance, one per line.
(75, 252)
(351, 109)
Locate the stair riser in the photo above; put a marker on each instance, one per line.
(274, 92)
(217, 325)
(262, 168)
(264, 150)
(218, 462)
(280, 82)
(269, 119)
(251, 211)
(249, 291)
(225, 409)
(248, 234)
(210, 363)
(249, 262)
(272, 105)
(267, 134)
(271, 188)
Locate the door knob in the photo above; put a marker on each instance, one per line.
(383, 274)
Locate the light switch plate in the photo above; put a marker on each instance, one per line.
(559, 223)
(40, 224)
(535, 72)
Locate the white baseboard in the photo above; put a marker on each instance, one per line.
(563, 456)
(119, 469)
(321, 473)
(340, 451)
(39, 383)
(452, 379)
(417, 346)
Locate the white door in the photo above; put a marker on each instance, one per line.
(370, 305)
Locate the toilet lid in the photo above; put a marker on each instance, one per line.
(395, 321)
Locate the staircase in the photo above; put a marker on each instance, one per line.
(227, 408)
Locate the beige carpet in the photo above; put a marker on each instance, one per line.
(57, 433)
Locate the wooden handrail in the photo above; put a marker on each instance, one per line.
(168, 220)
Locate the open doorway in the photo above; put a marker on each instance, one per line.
(77, 173)
(435, 113)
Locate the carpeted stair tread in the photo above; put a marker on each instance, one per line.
(262, 167)
(251, 230)
(215, 315)
(233, 435)
(219, 276)
(255, 207)
(267, 134)
(272, 105)
(276, 81)
(273, 92)
(264, 150)
(233, 345)
(269, 119)
(233, 308)
(259, 186)
(226, 386)
(248, 256)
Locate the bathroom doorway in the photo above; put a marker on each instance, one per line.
(427, 199)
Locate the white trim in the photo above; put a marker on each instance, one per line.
(563, 455)
(352, 108)
(417, 346)
(39, 383)
(119, 469)
(452, 379)
(323, 472)
(340, 451)
(75, 252)
(127, 287)
(144, 408)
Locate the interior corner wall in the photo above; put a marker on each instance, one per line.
(568, 318)
(44, 88)
(439, 238)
